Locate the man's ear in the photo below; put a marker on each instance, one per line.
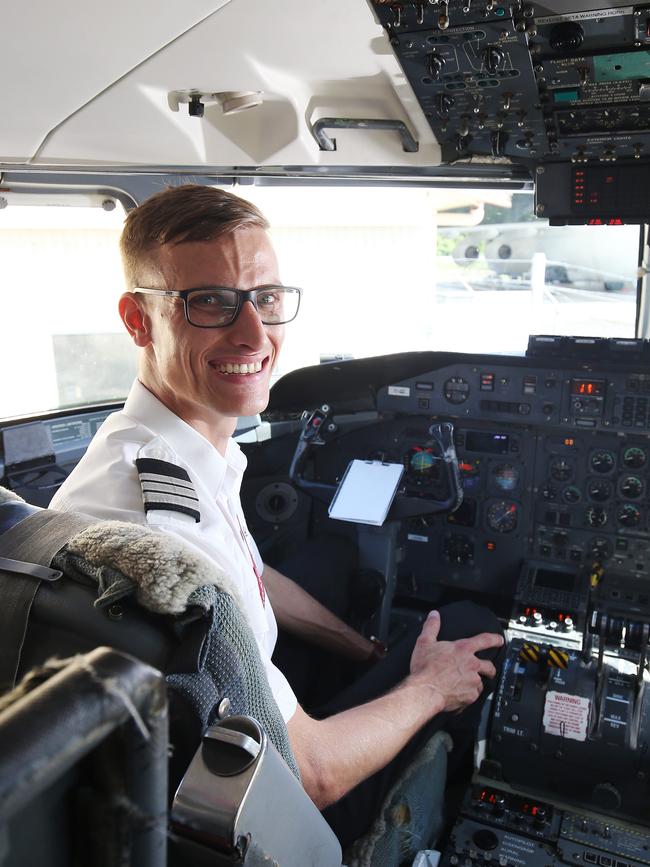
(135, 319)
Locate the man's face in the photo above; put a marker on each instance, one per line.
(187, 365)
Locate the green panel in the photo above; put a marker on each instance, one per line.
(622, 67)
(572, 95)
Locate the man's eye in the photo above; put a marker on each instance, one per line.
(210, 300)
(268, 299)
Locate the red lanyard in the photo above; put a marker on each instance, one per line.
(260, 583)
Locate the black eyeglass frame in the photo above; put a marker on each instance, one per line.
(243, 295)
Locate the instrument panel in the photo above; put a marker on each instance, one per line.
(555, 468)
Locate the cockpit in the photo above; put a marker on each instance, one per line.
(461, 189)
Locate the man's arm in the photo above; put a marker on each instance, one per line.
(337, 753)
(302, 615)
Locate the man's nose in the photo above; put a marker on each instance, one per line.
(248, 328)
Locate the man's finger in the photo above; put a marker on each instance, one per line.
(486, 669)
(484, 641)
(432, 625)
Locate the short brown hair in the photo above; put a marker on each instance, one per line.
(190, 212)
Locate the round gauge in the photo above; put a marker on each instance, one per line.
(506, 476)
(631, 487)
(572, 494)
(599, 491)
(628, 515)
(502, 516)
(601, 549)
(596, 516)
(561, 470)
(421, 461)
(635, 457)
(456, 390)
(602, 461)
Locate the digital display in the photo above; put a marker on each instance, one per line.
(609, 195)
(470, 475)
(552, 580)
(588, 387)
(489, 443)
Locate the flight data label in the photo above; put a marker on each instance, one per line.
(566, 716)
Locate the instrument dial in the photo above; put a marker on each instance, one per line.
(561, 470)
(602, 461)
(456, 390)
(572, 494)
(506, 476)
(596, 516)
(635, 457)
(631, 487)
(599, 491)
(628, 515)
(502, 516)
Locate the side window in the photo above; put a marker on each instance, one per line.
(63, 343)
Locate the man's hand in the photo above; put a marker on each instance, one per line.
(451, 669)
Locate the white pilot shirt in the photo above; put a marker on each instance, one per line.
(105, 483)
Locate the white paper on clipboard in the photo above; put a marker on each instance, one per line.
(366, 492)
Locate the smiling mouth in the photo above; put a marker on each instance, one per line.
(239, 369)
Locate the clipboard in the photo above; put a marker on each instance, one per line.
(366, 492)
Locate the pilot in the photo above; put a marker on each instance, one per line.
(207, 309)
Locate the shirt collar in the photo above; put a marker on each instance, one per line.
(199, 455)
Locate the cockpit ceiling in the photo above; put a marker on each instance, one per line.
(89, 85)
(108, 86)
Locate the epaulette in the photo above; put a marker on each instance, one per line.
(166, 486)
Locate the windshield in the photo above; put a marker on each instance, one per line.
(383, 270)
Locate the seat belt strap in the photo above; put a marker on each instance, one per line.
(39, 537)
(27, 550)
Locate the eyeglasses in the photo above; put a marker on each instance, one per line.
(218, 307)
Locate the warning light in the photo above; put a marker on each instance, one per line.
(490, 546)
(569, 442)
(595, 221)
(616, 221)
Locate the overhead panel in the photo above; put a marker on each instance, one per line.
(527, 82)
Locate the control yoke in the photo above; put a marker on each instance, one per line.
(319, 429)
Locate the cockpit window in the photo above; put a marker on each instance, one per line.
(383, 270)
(391, 270)
(63, 343)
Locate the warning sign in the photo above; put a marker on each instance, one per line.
(566, 716)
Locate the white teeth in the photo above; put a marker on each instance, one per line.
(253, 367)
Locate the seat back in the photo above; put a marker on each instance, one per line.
(101, 581)
(57, 730)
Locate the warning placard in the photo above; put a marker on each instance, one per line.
(566, 716)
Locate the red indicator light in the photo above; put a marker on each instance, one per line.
(595, 222)
(560, 617)
(490, 546)
(616, 222)
(569, 441)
